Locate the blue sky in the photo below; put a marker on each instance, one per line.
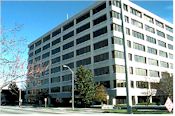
(38, 17)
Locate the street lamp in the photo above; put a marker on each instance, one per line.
(65, 66)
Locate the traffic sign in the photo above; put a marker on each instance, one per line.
(169, 104)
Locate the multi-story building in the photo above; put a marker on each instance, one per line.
(95, 38)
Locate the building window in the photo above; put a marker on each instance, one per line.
(31, 54)
(56, 60)
(170, 56)
(115, 3)
(83, 17)
(138, 34)
(161, 43)
(160, 24)
(68, 45)
(56, 50)
(83, 62)
(46, 55)
(153, 62)
(99, 8)
(105, 83)
(55, 89)
(55, 79)
(129, 43)
(101, 57)
(37, 51)
(150, 29)
(83, 50)
(83, 28)
(137, 23)
(161, 34)
(136, 12)
(116, 27)
(163, 54)
(115, 14)
(170, 46)
(121, 83)
(118, 69)
(46, 38)
(56, 41)
(125, 7)
(141, 84)
(101, 71)
(68, 35)
(67, 77)
(153, 73)
(152, 50)
(71, 65)
(117, 54)
(58, 31)
(101, 44)
(46, 46)
(164, 64)
(169, 28)
(83, 39)
(67, 88)
(127, 31)
(169, 37)
(69, 25)
(31, 47)
(139, 46)
(68, 56)
(130, 56)
(38, 43)
(99, 20)
(151, 39)
(55, 69)
(148, 18)
(171, 65)
(117, 40)
(130, 70)
(140, 59)
(100, 32)
(126, 19)
(140, 71)
(37, 58)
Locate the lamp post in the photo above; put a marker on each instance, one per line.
(107, 97)
(65, 66)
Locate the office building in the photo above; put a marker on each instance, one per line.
(95, 38)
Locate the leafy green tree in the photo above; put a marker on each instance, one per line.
(85, 86)
(100, 93)
(166, 84)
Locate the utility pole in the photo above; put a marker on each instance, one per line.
(128, 96)
(0, 96)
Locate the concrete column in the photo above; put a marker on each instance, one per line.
(150, 99)
(136, 99)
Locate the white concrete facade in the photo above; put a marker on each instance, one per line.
(139, 66)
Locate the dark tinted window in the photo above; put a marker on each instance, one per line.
(82, 28)
(46, 46)
(83, 17)
(101, 44)
(99, 8)
(55, 60)
(83, 50)
(56, 32)
(101, 57)
(56, 41)
(100, 32)
(83, 39)
(99, 20)
(55, 69)
(38, 43)
(46, 38)
(68, 45)
(83, 62)
(31, 47)
(68, 35)
(46, 55)
(38, 51)
(67, 56)
(67, 26)
(101, 71)
(54, 51)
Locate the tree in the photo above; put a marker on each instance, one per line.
(166, 84)
(100, 93)
(85, 85)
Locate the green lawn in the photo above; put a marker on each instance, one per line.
(123, 111)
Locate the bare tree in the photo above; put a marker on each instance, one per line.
(12, 56)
